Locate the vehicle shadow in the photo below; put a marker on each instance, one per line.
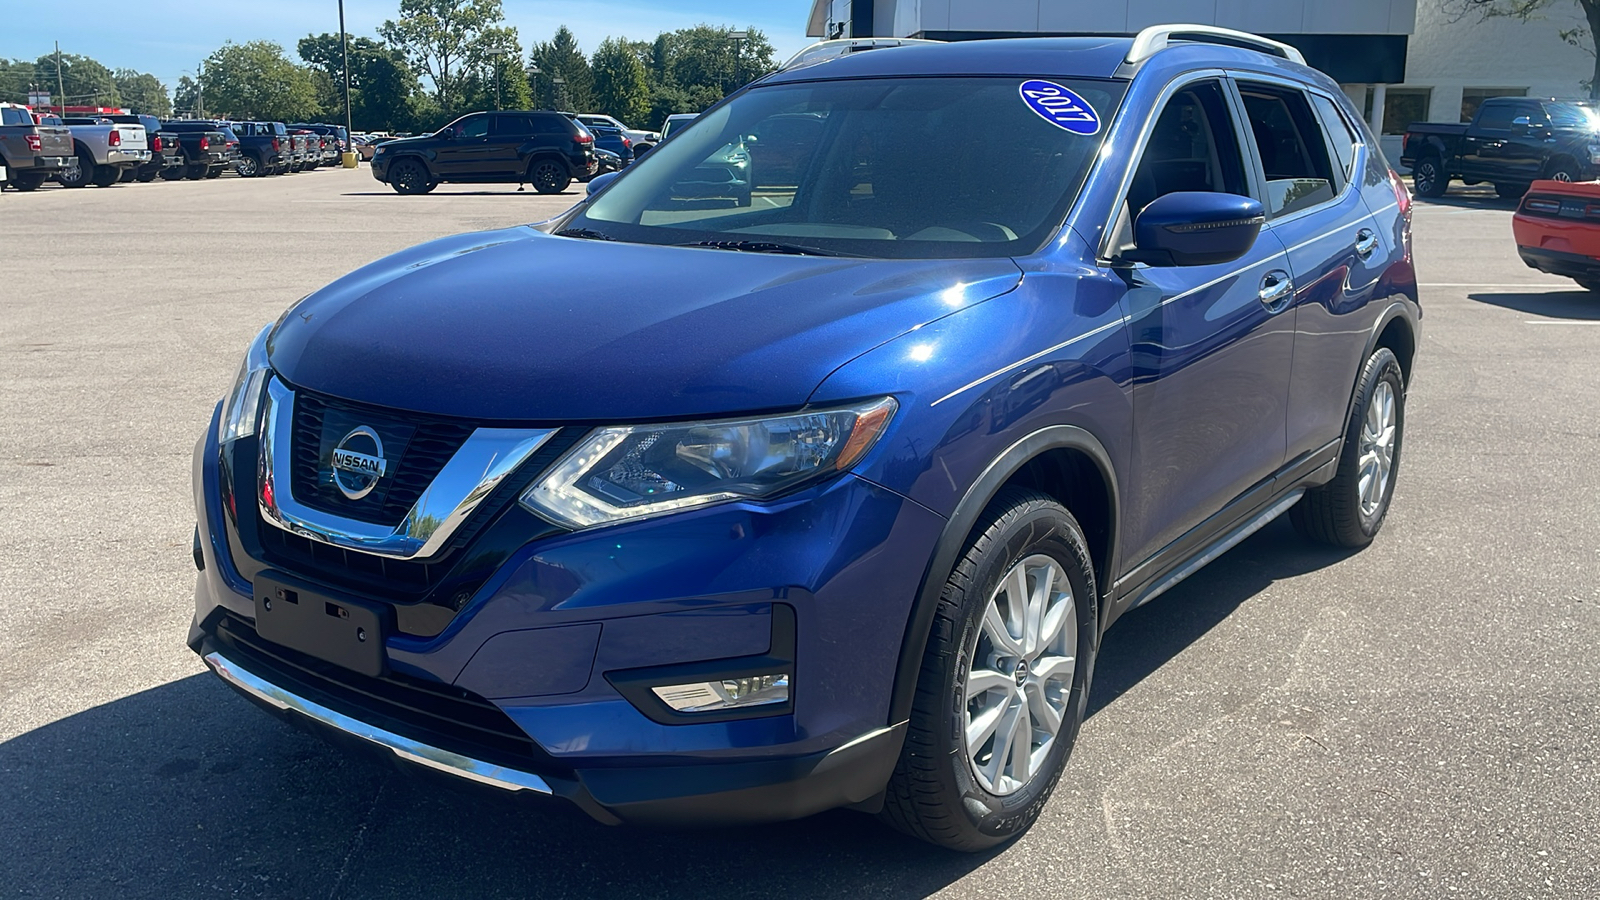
(1571, 303)
(1472, 199)
(508, 191)
(1144, 639)
(187, 789)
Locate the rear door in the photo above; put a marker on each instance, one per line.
(1310, 162)
(508, 132)
(1211, 345)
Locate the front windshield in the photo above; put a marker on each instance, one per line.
(887, 167)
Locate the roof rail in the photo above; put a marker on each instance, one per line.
(822, 51)
(1156, 38)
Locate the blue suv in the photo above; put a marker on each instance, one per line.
(1006, 339)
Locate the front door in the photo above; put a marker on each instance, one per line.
(1211, 346)
(462, 148)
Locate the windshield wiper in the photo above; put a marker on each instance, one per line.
(586, 233)
(765, 247)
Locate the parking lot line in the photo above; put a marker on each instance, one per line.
(1561, 321)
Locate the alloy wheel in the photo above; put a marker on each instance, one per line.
(1020, 675)
(1378, 432)
(1561, 175)
(1423, 178)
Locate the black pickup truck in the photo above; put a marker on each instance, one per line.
(264, 148)
(165, 149)
(1510, 143)
(205, 150)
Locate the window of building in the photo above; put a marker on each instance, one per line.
(1472, 98)
(1292, 147)
(1404, 106)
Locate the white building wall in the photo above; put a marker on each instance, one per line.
(1450, 56)
(907, 17)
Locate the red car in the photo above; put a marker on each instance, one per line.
(1558, 230)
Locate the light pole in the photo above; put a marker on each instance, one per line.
(739, 39)
(61, 84)
(497, 54)
(560, 92)
(533, 76)
(344, 47)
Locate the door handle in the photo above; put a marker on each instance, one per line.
(1276, 290)
(1366, 242)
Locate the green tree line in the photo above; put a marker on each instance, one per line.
(436, 60)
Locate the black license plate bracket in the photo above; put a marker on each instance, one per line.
(333, 628)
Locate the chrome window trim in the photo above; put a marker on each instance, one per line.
(401, 746)
(478, 467)
(1104, 169)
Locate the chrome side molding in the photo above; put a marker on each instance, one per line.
(403, 747)
(476, 469)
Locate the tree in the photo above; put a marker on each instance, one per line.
(445, 39)
(186, 97)
(87, 82)
(706, 56)
(561, 59)
(1582, 36)
(255, 80)
(382, 86)
(143, 93)
(621, 87)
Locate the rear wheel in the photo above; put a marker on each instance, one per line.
(128, 176)
(148, 175)
(1003, 682)
(1428, 178)
(1349, 510)
(407, 176)
(196, 171)
(249, 166)
(172, 173)
(548, 176)
(106, 176)
(28, 181)
(79, 170)
(214, 172)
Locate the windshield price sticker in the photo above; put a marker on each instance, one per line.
(1060, 106)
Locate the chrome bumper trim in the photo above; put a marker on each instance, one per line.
(403, 747)
(487, 457)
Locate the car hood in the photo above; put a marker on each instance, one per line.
(519, 325)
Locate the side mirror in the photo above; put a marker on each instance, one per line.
(1519, 125)
(1195, 228)
(599, 182)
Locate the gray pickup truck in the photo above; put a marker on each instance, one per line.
(30, 154)
(101, 150)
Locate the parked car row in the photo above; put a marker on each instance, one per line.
(105, 149)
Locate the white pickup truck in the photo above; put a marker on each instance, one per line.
(102, 150)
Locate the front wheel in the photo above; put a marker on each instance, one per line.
(1428, 178)
(79, 170)
(407, 176)
(1564, 170)
(548, 176)
(145, 177)
(1349, 510)
(1004, 679)
(249, 167)
(106, 176)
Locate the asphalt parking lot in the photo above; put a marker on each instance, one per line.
(1421, 719)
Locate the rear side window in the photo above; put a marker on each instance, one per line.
(1290, 143)
(552, 124)
(511, 126)
(1340, 135)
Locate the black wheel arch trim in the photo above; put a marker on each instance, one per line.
(959, 526)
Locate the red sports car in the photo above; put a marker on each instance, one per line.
(1558, 230)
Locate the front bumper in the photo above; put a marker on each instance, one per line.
(545, 647)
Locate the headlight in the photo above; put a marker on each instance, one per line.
(242, 406)
(647, 470)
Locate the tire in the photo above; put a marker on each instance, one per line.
(249, 166)
(106, 176)
(1563, 169)
(78, 171)
(28, 181)
(172, 173)
(147, 177)
(1342, 512)
(548, 176)
(128, 176)
(214, 172)
(942, 793)
(407, 176)
(1428, 178)
(196, 172)
(1510, 191)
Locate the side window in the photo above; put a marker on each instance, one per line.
(1293, 151)
(559, 125)
(1340, 135)
(510, 126)
(1496, 116)
(1193, 147)
(475, 127)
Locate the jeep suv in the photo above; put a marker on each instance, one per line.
(836, 514)
(545, 149)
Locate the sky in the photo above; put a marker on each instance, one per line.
(168, 38)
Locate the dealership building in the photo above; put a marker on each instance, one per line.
(1401, 61)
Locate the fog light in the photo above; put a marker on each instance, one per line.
(728, 693)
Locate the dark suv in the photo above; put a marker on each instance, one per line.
(546, 149)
